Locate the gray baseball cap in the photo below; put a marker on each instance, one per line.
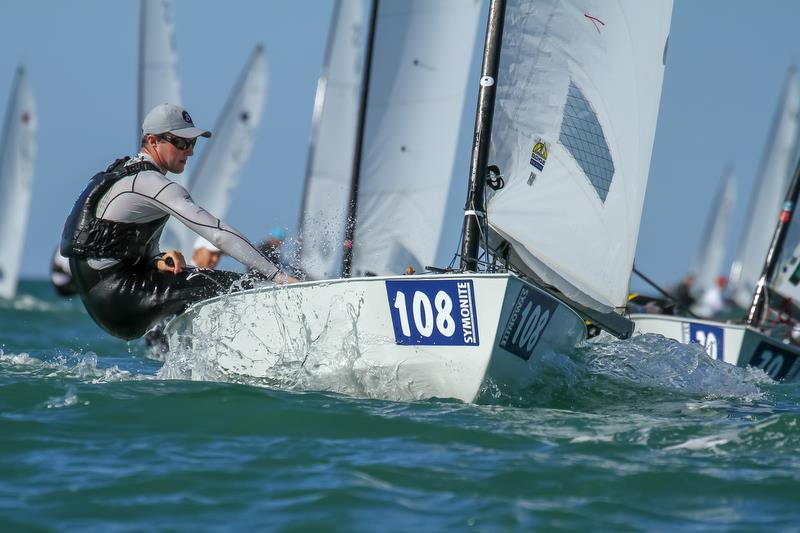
(171, 118)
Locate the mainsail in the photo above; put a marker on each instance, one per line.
(577, 101)
(17, 155)
(777, 166)
(330, 161)
(420, 61)
(711, 253)
(216, 173)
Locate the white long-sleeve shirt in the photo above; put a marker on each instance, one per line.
(149, 195)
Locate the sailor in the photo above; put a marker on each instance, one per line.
(205, 254)
(61, 276)
(112, 234)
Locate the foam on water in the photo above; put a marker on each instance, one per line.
(74, 365)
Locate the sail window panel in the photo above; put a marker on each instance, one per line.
(582, 135)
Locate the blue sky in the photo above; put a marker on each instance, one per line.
(726, 65)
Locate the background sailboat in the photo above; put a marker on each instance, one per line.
(763, 277)
(420, 59)
(708, 266)
(777, 166)
(324, 210)
(17, 156)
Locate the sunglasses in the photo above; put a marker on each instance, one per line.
(178, 142)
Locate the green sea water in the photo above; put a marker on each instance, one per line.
(645, 434)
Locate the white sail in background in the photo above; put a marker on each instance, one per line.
(158, 83)
(421, 58)
(711, 254)
(17, 155)
(216, 173)
(777, 166)
(577, 100)
(330, 163)
(158, 58)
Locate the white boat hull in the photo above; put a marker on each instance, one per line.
(445, 336)
(736, 344)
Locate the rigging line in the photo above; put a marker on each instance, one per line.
(663, 292)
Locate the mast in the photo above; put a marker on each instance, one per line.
(759, 298)
(350, 223)
(474, 210)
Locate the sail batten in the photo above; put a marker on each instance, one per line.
(577, 101)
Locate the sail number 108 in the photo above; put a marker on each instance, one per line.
(433, 312)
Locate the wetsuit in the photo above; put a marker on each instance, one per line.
(113, 261)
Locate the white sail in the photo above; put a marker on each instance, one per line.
(778, 163)
(711, 253)
(158, 83)
(17, 155)
(330, 162)
(577, 100)
(158, 58)
(217, 171)
(421, 58)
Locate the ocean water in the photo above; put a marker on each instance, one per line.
(645, 434)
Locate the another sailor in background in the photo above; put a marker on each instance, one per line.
(111, 236)
(271, 247)
(205, 254)
(61, 276)
(711, 302)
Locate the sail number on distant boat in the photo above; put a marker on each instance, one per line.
(433, 312)
(712, 338)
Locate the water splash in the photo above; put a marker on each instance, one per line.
(74, 365)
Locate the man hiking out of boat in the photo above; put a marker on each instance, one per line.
(112, 234)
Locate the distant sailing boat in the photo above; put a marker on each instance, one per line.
(765, 277)
(324, 210)
(575, 95)
(710, 258)
(17, 156)
(774, 176)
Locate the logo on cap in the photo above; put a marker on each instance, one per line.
(187, 118)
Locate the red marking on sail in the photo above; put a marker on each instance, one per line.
(25, 117)
(595, 21)
(786, 216)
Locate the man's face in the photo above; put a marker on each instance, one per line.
(205, 258)
(172, 158)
